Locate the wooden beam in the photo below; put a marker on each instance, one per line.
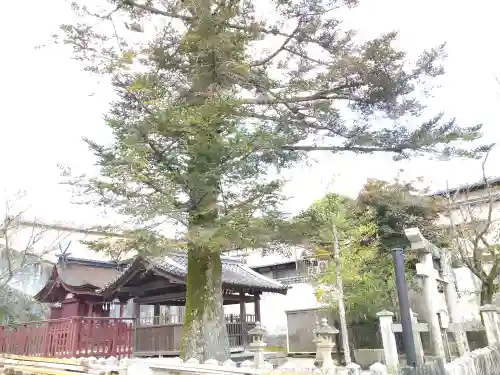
(231, 303)
(238, 298)
(162, 298)
(168, 297)
(173, 289)
(140, 289)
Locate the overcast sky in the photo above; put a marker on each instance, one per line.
(46, 107)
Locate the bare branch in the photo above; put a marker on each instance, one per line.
(23, 244)
(472, 236)
(457, 238)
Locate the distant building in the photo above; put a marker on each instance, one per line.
(468, 200)
(296, 270)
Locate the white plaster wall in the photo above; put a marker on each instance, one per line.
(468, 286)
(467, 304)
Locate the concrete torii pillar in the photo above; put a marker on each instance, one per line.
(451, 295)
(429, 274)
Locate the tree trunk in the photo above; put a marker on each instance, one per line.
(204, 335)
(340, 291)
(487, 293)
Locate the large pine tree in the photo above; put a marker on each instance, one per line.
(206, 118)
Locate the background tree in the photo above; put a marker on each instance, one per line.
(398, 205)
(474, 230)
(366, 274)
(22, 250)
(214, 99)
(368, 228)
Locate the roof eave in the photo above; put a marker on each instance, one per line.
(277, 291)
(42, 295)
(283, 290)
(108, 290)
(478, 185)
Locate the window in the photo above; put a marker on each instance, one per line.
(37, 269)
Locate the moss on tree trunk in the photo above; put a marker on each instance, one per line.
(204, 335)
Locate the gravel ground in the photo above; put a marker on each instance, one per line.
(304, 363)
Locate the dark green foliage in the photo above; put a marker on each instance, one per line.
(399, 205)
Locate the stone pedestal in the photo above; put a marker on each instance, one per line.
(490, 320)
(388, 340)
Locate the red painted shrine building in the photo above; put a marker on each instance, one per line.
(97, 308)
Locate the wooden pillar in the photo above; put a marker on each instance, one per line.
(75, 335)
(137, 311)
(137, 323)
(156, 314)
(256, 304)
(243, 319)
(122, 308)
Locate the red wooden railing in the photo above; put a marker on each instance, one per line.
(71, 337)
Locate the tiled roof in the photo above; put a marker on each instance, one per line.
(234, 273)
(81, 275)
(474, 186)
(84, 275)
(81, 272)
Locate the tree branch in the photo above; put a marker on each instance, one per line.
(280, 49)
(322, 95)
(345, 148)
(157, 11)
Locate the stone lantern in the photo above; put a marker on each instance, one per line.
(325, 343)
(257, 345)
